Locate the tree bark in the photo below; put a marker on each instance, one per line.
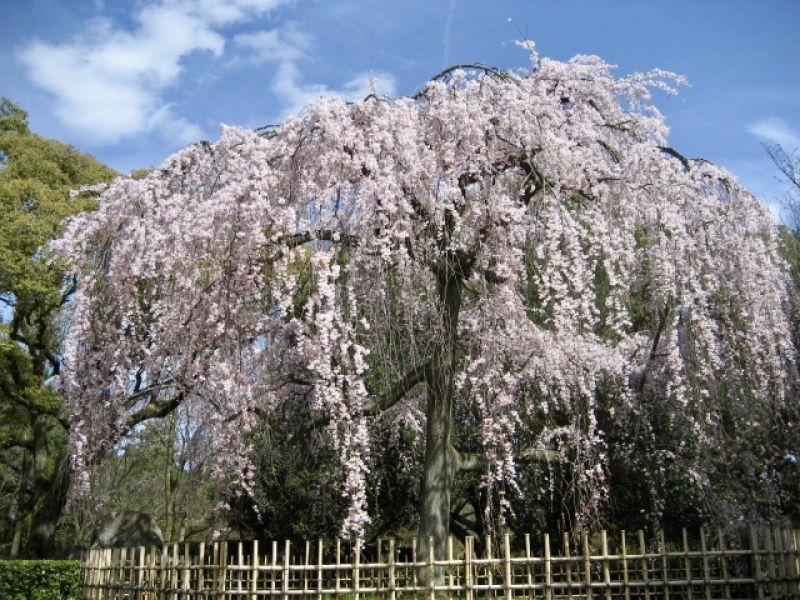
(440, 462)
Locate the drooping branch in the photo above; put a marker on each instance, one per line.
(399, 390)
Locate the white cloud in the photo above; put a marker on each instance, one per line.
(775, 130)
(296, 94)
(276, 45)
(108, 82)
(289, 48)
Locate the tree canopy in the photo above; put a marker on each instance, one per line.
(512, 260)
(36, 175)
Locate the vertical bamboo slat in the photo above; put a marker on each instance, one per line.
(726, 587)
(645, 567)
(664, 564)
(450, 578)
(468, 549)
(392, 583)
(306, 567)
(287, 555)
(587, 566)
(357, 570)
(507, 590)
(624, 554)
(548, 569)
(687, 565)
(274, 570)
(254, 574)
(706, 573)
(569, 565)
(320, 557)
(338, 563)
(528, 566)
(414, 560)
(430, 569)
(756, 563)
(769, 550)
(140, 570)
(606, 571)
(489, 566)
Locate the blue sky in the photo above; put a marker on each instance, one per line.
(133, 81)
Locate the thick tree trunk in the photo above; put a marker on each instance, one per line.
(48, 509)
(437, 478)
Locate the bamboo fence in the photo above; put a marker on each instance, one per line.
(763, 565)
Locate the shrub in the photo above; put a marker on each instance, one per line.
(40, 580)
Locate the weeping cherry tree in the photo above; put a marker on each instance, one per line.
(516, 243)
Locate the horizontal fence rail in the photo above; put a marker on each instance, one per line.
(763, 565)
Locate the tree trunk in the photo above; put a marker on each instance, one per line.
(437, 478)
(48, 510)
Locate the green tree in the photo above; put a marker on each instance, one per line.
(36, 175)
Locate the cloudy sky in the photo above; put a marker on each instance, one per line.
(132, 81)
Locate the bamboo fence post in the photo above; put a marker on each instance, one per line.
(769, 548)
(140, 571)
(726, 586)
(255, 562)
(94, 561)
(274, 573)
(392, 584)
(788, 565)
(507, 566)
(186, 587)
(239, 569)
(785, 566)
(706, 573)
(565, 543)
(338, 562)
(377, 577)
(98, 573)
(102, 572)
(306, 567)
(174, 573)
(223, 568)
(548, 569)
(123, 555)
(791, 551)
(431, 570)
(287, 550)
(624, 555)
(152, 583)
(756, 562)
(664, 564)
(215, 567)
(645, 567)
(109, 573)
(489, 565)
(780, 571)
(450, 569)
(606, 570)
(687, 564)
(163, 575)
(528, 573)
(587, 566)
(201, 570)
(357, 569)
(468, 549)
(320, 557)
(112, 572)
(414, 560)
